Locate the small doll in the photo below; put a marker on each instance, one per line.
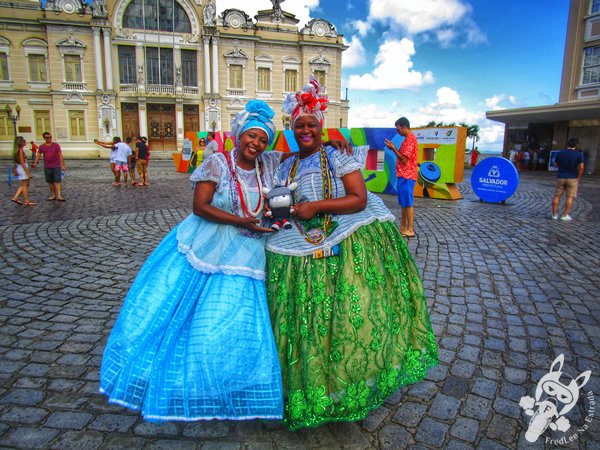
(280, 202)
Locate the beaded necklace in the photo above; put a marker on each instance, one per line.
(238, 194)
(317, 235)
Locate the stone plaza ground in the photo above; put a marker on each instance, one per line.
(508, 288)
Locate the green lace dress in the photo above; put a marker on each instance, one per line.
(353, 328)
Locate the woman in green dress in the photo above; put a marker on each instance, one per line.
(345, 297)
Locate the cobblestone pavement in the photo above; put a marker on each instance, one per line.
(509, 290)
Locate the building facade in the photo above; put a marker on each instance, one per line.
(577, 113)
(155, 68)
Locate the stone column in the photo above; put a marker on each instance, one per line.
(140, 62)
(143, 116)
(215, 66)
(178, 70)
(206, 40)
(98, 59)
(108, 59)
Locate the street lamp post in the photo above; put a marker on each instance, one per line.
(14, 117)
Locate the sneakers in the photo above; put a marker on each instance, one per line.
(554, 216)
(566, 218)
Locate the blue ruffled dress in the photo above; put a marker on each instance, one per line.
(193, 339)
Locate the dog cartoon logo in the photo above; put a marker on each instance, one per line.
(553, 399)
(494, 172)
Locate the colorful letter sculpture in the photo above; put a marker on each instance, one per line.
(441, 156)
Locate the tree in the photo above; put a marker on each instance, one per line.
(472, 133)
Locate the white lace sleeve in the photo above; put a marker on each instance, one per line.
(212, 169)
(343, 164)
(360, 154)
(270, 161)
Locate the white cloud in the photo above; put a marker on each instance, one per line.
(491, 136)
(372, 116)
(493, 101)
(355, 54)
(449, 21)
(393, 69)
(362, 27)
(447, 97)
(301, 9)
(418, 16)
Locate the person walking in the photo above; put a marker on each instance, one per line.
(54, 166)
(347, 304)
(23, 173)
(211, 146)
(570, 168)
(141, 158)
(406, 173)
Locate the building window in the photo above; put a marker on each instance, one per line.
(4, 67)
(595, 6)
(73, 68)
(37, 68)
(235, 77)
(127, 65)
(291, 80)
(591, 65)
(189, 67)
(6, 127)
(77, 124)
(159, 65)
(157, 15)
(320, 76)
(42, 123)
(264, 79)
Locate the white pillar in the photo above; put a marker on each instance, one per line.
(215, 66)
(206, 40)
(98, 59)
(108, 59)
(143, 119)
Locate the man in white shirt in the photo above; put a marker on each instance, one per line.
(120, 153)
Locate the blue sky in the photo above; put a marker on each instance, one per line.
(442, 60)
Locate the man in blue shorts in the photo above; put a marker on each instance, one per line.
(406, 173)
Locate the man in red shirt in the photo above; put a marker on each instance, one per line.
(406, 173)
(54, 165)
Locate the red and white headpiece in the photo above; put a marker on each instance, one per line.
(309, 100)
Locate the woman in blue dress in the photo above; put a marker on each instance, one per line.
(193, 339)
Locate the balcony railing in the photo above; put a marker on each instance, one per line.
(74, 86)
(128, 88)
(190, 90)
(160, 89)
(236, 92)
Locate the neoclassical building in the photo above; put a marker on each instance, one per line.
(156, 68)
